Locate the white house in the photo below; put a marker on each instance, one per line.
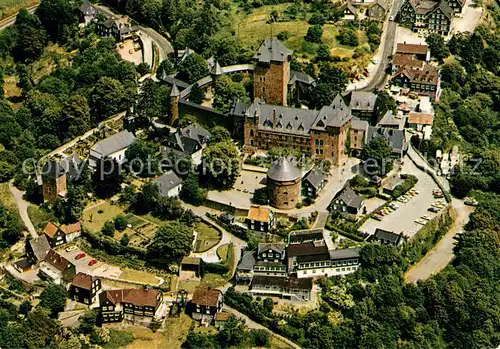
(333, 263)
(113, 147)
(169, 184)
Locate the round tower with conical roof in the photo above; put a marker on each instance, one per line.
(174, 104)
(284, 184)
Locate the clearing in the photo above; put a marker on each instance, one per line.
(38, 216)
(207, 237)
(95, 217)
(11, 7)
(6, 198)
(138, 276)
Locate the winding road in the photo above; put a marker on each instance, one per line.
(22, 206)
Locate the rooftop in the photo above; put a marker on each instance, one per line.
(284, 170)
(315, 177)
(306, 249)
(206, 296)
(83, 280)
(258, 213)
(139, 297)
(386, 235)
(276, 247)
(272, 50)
(40, 247)
(114, 143)
(411, 48)
(57, 261)
(350, 198)
(286, 283)
(420, 118)
(345, 253)
(166, 182)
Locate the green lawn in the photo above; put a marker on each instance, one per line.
(138, 276)
(213, 280)
(6, 198)
(10, 7)
(207, 237)
(95, 217)
(118, 339)
(38, 216)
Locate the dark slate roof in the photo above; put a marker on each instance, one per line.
(40, 247)
(346, 253)
(396, 138)
(362, 101)
(286, 283)
(114, 143)
(276, 247)
(446, 8)
(358, 124)
(300, 236)
(389, 119)
(166, 182)
(306, 249)
(350, 198)
(247, 261)
(284, 170)
(315, 177)
(304, 78)
(181, 144)
(88, 9)
(196, 132)
(171, 81)
(53, 169)
(386, 235)
(23, 263)
(272, 50)
(314, 257)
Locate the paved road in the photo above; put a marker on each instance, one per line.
(379, 76)
(256, 326)
(439, 257)
(22, 205)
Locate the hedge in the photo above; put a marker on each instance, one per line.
(234, 229)
(111, 246)
(401, 189)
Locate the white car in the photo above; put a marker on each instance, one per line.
(420, 221)
(426, 217)
(71, 248)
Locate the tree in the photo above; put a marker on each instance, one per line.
(317, 18)
(10, 227)
(219, 134)
(377, 157)
(166, 68)
(32, 38)
(193, 68)
(261, 196)
(87, 322)
(108, 229)
(196, 95)
(314, 33)
(323, 53)
(59, 17)
(53, 297)
(108, 98)
(25, 307)
(153, 101)
(141, 156)
(322, 94)
(147, 199)
(125, 240)
(221, 161)
(226, 92)
(172, 240)
(76, 117)
(107, 178)
(232, 334)
(191, 191)
(437, 45)
(120, 223)
(348, 37)
(75, 202)
(143, 69)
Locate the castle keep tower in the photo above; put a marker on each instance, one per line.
(272, 72)
(174, 104)
(284, 184)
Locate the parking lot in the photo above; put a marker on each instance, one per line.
(403, 218)
(82, 265)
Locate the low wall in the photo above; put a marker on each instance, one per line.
(208, 117)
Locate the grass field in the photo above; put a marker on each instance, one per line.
(38, 216)
(11, 7)
(95, 217)
(222, 251)
(207, 237)
(138, 276)
(213, 280)
(118, 339)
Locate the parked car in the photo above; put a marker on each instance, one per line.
(420, 221)
(470, 201)
(433, 209)
(71, 248)
(80, 256)
(377, 217)
(426, 217)
(92, 262)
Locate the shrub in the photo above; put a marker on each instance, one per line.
(283, 36)
(108, 229)
(317, 18)
(120, 223)
(314, 34)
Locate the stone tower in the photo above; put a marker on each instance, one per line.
(271, 72)
(174, 104)
(284, 184)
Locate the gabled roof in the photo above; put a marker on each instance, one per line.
(72, 228)
(196, 132)
(350, 198)
(403, 60)
(110, 145)
(427, 75)
(390, 120)
(167, 181)
(57, 261)
(258, 213)
(381, 3)
(40, 247)
(88, 9)
(138, 297)
(315, 177)
(281, 282)
(345, 253)
(386, 235)
(359, 100)
(358, 124)
(420, 118)
(306, 249)
(276, 247)
(83, 280)
(206, 296)
(51, 229)
(396, 138)
(284, 170)
(247, 261)
(272, 50)
(304, 78)
(300, 236)
(404, 48)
